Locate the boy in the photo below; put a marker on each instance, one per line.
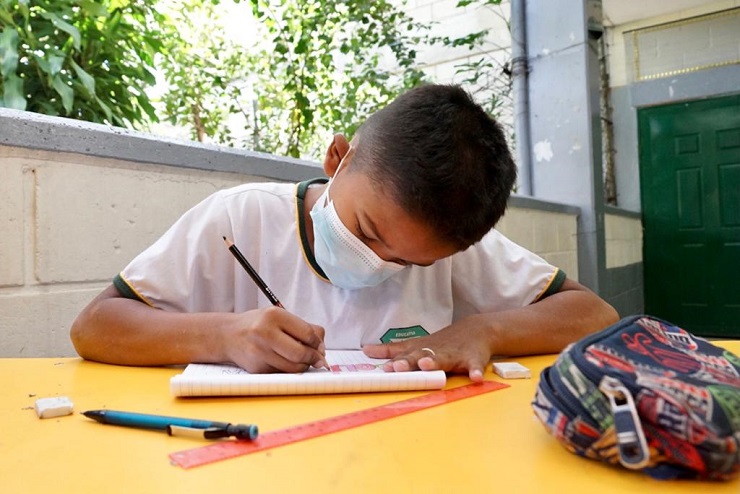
(395, 254)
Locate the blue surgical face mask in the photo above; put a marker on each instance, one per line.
(344, 258)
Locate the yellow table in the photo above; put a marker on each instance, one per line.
(485, 444)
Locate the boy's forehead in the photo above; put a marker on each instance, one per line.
(374, 202)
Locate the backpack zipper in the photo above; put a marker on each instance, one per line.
(631, 443)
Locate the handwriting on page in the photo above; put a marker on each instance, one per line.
(349, 361)
(354, 367)
(353, 362)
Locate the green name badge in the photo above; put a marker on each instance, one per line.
(398, 334)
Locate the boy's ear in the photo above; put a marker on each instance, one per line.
(337, 150)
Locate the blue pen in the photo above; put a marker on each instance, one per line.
(175, 426)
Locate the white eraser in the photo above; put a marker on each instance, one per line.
(56, 406)
(511, 370)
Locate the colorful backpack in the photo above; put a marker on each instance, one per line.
(648, 395)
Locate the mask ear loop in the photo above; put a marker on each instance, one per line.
(331, 180)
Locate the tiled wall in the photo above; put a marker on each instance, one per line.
(552, 235)
(623, 285)
(623, 235)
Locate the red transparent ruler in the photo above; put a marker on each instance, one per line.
(223, 450)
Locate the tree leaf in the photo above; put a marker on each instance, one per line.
(93, 9)
(6, 17)
(8, 52)
(41, 62)
(87, 80)
(13, 93)
(55, 64)
(64, 26)
(48, 109)
(106, 109)
(66, 92)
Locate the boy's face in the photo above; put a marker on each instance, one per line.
(373, 217)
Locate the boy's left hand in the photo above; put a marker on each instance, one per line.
(446, 350)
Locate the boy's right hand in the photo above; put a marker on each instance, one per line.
(273, 340)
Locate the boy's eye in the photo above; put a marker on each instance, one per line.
(361, 234)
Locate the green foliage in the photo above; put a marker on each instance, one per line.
(318, 67)
(203, 70)
(83, 59)
(336, 64)
(321, 69)
(487, 75)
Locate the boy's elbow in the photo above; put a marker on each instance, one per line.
(89, 327)
(607, 315)
(79, 333)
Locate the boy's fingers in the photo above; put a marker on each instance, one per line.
(281, 364)
(423, 359)
(401, 357)
(476, 368)
(476, 375)
(307, 334)
(385, 350)
(427, 359)
(428, 363)
(300, 353)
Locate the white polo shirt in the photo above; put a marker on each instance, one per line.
(189, 269)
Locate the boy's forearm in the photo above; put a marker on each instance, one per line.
(128, 332)
(550, 324)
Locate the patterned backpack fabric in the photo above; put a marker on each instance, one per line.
(648, 395)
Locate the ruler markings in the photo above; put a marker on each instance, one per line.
(203, 455)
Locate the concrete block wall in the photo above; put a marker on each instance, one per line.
(69, 224)
(624, 276)
(623, 235)
(551, 233)
(79, 200)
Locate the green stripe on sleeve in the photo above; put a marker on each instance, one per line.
(125, 289)
(555, 285)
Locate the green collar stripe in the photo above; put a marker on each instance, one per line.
(300, 200)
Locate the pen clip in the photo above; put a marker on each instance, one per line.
(207, 433)
(248, 432)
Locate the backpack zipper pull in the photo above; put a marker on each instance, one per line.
(631, 443)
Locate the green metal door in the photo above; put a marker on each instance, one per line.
(690, 189)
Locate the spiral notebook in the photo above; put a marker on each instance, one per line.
(351, 372)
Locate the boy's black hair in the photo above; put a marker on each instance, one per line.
(442, 159)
